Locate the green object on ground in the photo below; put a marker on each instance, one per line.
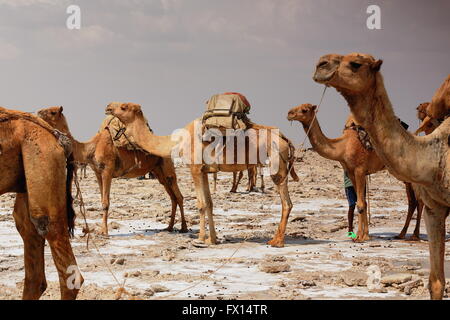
(351, 235)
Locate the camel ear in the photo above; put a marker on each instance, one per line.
(314, 107)
(376, 66)
(61, 109)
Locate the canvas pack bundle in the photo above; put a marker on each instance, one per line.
(226, 111)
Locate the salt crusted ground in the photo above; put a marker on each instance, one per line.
(319, 260)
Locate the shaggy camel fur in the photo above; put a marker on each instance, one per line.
(109, 161)
(422, 161)
(34, 166)
(351, 154)
(131, 115)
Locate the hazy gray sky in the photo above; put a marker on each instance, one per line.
(172, 55)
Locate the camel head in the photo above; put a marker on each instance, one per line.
(126, 112)
(353, 73)
(422, 111)
(54, 116)
(303, 113)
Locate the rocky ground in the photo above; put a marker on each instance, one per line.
(319, 261)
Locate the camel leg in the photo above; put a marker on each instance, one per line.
(416, 235)
(412, 205)
(168, 170)
(252, 178)
(167, 177)
(214, 182)
(70, 278)
(35, 282)
(286, 204)
(435, 223)
(363, 222)
(106, 178)
(204, 204)
(262, 181)
(236, 181)
(209, 210)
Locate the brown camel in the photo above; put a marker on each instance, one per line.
(422, 161)
(34, 166)
(428, 124)
(109, 161)
(131, 115)
(350, 152)
(352, 155)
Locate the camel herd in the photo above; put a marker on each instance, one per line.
(38, 155)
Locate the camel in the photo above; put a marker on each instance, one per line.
(357, 161)
(131, 115)
(34, 166)
(428, 124)
(109, 161)
(350, 152)
(422, 161)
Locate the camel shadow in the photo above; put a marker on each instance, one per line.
(393, 236)
(287, 241)
(151, 232)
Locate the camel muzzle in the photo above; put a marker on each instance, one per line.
(322, 77)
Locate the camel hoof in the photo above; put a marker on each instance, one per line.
(184, 230)
(211, 242)
(103, 233)
(276, 243)
(400, 237)
(169, 229)
(199, 244)
(413, 238)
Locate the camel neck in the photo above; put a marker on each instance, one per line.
(396, 147)
(82, 150)
(327, 148)
(160, 146)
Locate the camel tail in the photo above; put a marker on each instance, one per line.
(69, 198)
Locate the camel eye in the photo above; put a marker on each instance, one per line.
(53, 113)
(321, 64)
(355, 65)
(304, 111)
(123, 108)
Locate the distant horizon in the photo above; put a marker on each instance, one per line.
(170, 56)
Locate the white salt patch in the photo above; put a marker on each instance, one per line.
(10, 240)
(330, 292)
